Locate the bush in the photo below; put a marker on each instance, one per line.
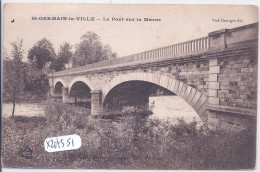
(131, 142)
(64, 116)
(142, 111)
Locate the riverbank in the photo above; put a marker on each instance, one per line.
(133, 142)
(24, 109)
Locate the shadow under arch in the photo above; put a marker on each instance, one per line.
(82, 79)
(56, 95)
(58, 87)
(61, 81)
(194, 98)
(79, 94)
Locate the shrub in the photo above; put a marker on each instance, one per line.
(142, 111)
(131, 142)
(64, 116)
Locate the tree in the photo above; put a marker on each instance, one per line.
(36, 84)
(64, 56)
(14, 73)
(41, 53)
(91, 50)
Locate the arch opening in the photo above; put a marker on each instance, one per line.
(166, 104)
(58, 88)
(57, 92)
(132, 93)
(79, 94)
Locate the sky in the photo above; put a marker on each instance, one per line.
(178, 23)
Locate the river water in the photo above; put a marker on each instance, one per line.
(23, 109)
(172, 108)
(165, 108)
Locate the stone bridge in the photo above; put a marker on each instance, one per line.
(216, 75)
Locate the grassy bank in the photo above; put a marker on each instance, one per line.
(130, 142)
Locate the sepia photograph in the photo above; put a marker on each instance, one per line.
(129, 86)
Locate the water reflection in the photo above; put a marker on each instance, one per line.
(171, 108)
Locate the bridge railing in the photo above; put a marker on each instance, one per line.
(193, 45)
(164, 52)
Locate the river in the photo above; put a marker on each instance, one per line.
(171, 108)
(165, 108)
(23, 109)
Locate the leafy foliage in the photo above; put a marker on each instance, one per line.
(91, 50)
(41, 53)
(131, 142)
(64, 56)
(14, 73)
(36, 83)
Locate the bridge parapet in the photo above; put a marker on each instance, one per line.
(221, 39)
(199, 45)
(228, 38)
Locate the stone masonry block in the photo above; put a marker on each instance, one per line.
(150, 77)
(195, 98)
(133, 76)
(213, 62)
(244, 70)
(214, 85)
(213, 77)
(214, 69)
(153, 78)
(224, 83)
(142, 76)
(224, 87)
(138, 76)
(169, 83)
(164, 81)
(173, 85)
(179, 88)
(214, 100)
(203, 109)
(191, 95)
(157, 79)
(145, 77)
(200, 102)
(176, 86)
(167, 80)
(213, 93)
(161, 83)
(184, 87)
(187, 92)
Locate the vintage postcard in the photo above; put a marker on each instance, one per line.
(116, 86)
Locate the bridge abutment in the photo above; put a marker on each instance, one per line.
(96, 102)
(232, 76)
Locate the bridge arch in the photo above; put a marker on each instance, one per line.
(82, 79)
(194, 98)
(58, 88)
(59, 80)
